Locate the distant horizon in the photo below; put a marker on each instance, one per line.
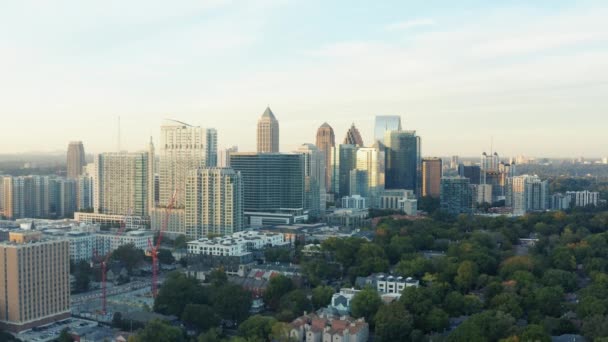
(532, 76)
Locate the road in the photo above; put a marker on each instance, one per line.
(110, 291)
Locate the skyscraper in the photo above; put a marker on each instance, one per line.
(353, 137)
(76, 159)
(214, 202)
(431, 177)
(314, 179)
(121, 183)
(403, 161)
(472, 172)
(183, 148)
(272, 182)
(371, 160)
(386, 123)
(268, 132)
(326, 140)
(224, 156)
(529, 193)
(35, 281)
(343, 160)
(455, 195)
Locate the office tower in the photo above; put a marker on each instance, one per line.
(326, 140)
(529, 193)
(314, 179)
(489, 162)
(272, 182)
(121, 183)
(182, 148)
(432, 171)
(353, 137)
(454, 163)
(386, 123)
(583, 198)
(84, 195)
(67, 198)
(403, 161)
(214, 202)
(224, 156)
(76, 160)
(472, 172)
(151, 176)
(455, 195)
(371, 160)
(482, 193)
(268, 133)
(343, 160)
(35, 282)
(359, 183)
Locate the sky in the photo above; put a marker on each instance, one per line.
(530, 75)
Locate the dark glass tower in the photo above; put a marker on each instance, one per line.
(403, 161)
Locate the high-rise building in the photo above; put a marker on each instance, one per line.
(85, 191)
(482, 193)
(214, 202)
(268, 132)
(35, 281)
(454, 163)
(455, 195)
(67, 198)
(183, 148)
(371, 160)
(403, 161)
(359, 183)
(76, 159)
(386, 123)
(472, 172)
(38, 197)
(272, 182)
(584, 198)
(326, 140)
(343, 160)
(314, 179)
(224, 156)
(560, 201)
(121, 183)
(353, 137)
(432, 171)
(529, 193)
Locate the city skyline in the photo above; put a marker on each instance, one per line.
(445, 70)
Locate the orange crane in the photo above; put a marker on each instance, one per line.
(104, 265)
(156, 248)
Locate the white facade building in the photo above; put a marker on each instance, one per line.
(108, 242)
(237, 244)
(583, 198)
(354, 202)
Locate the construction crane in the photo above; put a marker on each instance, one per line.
(154, 249)
(104, 264)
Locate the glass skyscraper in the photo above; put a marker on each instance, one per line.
(272, 182)
(386, 123)
(403, 161)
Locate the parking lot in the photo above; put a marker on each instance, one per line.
(51, 331)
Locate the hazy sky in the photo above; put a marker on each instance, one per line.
(532, 74)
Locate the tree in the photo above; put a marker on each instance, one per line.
(321, 296)
(549, 300)
(159, 331)
(212, 335)
(535, 333)
(436, 320)
(485, 326)
(365, 304)
(280, 333)
(65, 336)
(257, 327)
(129, 256)
(201, 316)
(595, 326)
(466, 275)
(218, 277)
(177, 291)
(293, 304)
(278, 286)
(82, 276)
(231, 302)
(165, 257)
(393, 323)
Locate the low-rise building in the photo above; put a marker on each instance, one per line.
(348, 218)
(399, 200)
(237, 244)
(317, 328)
(583, 198)
(384, 283)
(82, 244)
(354, 202)
(110, 241)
